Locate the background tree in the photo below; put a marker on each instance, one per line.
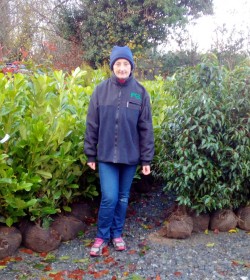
(98, 25)
(5, 28)
(19, 28)
(230, 46)
(28, 29)
(185, 53)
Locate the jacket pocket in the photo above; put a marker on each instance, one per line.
(134, 104)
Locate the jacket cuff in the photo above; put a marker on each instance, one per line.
(91, 159)
(144, 163)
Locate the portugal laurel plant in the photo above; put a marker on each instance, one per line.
(205, 154)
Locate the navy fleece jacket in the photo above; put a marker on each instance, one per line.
(119, 123)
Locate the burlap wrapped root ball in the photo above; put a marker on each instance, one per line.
(223, 220)
(68, 226)
(10, 241)
(179, 227)
(200, 221)
(39, 239)
(243, 215)
(83, 210)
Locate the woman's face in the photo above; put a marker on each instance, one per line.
(122, 68)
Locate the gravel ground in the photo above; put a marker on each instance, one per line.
(148, 256)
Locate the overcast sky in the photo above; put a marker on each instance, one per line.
(232, 13)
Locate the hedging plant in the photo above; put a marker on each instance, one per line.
(205, 152)
(43, 160)
(201, 124)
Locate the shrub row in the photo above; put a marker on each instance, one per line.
(201, 123)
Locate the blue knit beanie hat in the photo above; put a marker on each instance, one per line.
(121, 52)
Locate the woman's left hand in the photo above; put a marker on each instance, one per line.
(146, 170)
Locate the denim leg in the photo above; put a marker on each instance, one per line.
(109, 179)
(126, 173)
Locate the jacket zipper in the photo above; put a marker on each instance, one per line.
(116, 128)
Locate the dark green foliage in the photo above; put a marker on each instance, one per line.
(205, 156)
(99, 25)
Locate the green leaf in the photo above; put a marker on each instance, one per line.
(49, 210)
(64, 258)
(24, 186)
(67, 208)
(210, 244)
(85, 260)
(31, 202)
(9, 221)
(6, 181)
(44, 174)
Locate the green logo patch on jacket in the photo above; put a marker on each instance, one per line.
(135, 95)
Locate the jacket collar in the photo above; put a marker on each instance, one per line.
(115, 80)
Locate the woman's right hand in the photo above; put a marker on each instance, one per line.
(92, 165)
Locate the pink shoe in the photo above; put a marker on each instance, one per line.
(119, 244)
(97, 247)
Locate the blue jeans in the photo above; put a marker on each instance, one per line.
(116, 180)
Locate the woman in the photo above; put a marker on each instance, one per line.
(119, 135)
